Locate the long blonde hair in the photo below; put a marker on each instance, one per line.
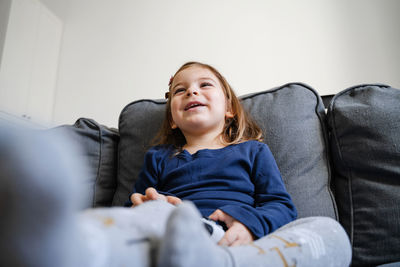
(240, 128)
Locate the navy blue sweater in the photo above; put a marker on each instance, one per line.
(242, 180)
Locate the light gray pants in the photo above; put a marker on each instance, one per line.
(132, 236)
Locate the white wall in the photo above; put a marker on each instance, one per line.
(58, 7)
(114, 52)
(5, 6)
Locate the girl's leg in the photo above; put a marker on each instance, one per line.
(124, 236)
(39, 203)
(314, 241)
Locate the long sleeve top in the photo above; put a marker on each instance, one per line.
(242, 180)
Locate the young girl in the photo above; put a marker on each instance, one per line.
(211, 154)
(209, 163)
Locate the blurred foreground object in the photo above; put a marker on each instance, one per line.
(39, 197)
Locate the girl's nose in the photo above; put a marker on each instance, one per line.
(191, 91)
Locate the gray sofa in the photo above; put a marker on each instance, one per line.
(341, 161)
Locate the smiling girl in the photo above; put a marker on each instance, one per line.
(211, 154)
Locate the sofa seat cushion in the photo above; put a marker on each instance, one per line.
(365, 126)
(292, 118)
(99, 146)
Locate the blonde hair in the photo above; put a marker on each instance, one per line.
(240, 128)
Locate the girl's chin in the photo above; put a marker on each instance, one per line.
(194, 127)
(199, 128)
(194, 121)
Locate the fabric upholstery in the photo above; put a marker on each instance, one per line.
(292, 118)
(139, 122)
(99, 149)
(365, 126)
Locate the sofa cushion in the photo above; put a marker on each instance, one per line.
(99, 147)
(292, 118)
(139, 122)
(365, 126)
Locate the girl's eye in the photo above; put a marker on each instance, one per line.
(205, 84)
(179, 90)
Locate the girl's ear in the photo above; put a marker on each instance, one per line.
(229, 114)
(173, 125)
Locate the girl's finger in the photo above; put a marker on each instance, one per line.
(229, 237)
(137, 199)
(152, 194)
(174, 200)
(223, 242)
(217, 215)
(243, 238)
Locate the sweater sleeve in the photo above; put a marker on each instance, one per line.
(147, 176)
(150, 172)
(273, 206)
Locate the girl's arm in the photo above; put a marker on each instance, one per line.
(273, 203)
(273, 206)
(145, 187)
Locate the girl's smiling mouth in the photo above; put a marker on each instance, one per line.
(193, 104)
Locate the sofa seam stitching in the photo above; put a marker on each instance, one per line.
(349, 180)
(326, 154)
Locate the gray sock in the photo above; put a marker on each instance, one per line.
(186, 242)
(312, 241)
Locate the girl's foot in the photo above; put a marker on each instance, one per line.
(187, 243)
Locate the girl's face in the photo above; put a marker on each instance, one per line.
(198, 102)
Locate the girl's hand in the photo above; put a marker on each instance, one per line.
(237, 234)
(152, 194)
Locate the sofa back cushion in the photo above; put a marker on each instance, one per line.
(139, 122)
(365, 126)
(99, 150)
(292, 119)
